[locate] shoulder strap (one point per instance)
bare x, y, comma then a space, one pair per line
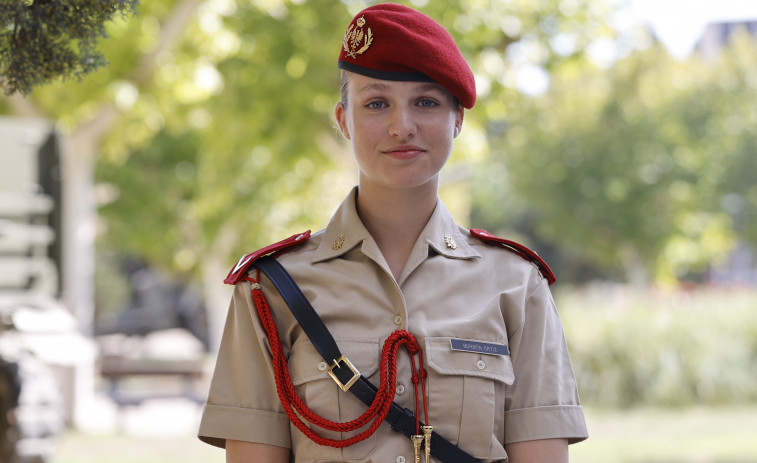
238, 272
401, 419
517, 248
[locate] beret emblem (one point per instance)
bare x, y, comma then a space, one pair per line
355, 36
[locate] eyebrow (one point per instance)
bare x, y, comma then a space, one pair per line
373, 86
423, 87
426, 86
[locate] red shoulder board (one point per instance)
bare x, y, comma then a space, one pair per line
240, 270
517, 248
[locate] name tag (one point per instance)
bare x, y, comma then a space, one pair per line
479, 347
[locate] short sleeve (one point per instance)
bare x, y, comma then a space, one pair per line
543, 401
242, 402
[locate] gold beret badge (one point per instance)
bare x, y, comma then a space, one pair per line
355, 36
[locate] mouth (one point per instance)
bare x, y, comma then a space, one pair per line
404, 152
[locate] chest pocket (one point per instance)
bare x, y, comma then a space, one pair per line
467, 397
321, 394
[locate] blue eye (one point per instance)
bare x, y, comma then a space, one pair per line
376, 104
427, 103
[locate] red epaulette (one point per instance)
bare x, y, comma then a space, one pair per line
517, 248
240, 270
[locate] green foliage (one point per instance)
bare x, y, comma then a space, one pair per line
152, 195
631, 348
633, 167
254, 85
243, 104
42, 40
640, 170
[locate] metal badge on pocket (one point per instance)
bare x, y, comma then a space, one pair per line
479, 347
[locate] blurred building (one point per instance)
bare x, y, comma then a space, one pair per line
741, 266
717, 35
46, 364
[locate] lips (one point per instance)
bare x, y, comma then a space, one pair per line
404, 152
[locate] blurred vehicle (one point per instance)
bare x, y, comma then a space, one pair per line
159, 337
156, 303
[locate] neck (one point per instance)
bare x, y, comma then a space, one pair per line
395, 219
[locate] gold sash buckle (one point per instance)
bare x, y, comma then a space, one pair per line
348, 364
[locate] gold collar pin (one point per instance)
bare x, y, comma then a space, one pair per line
338, 243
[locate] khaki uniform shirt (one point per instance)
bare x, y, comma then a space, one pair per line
453, 287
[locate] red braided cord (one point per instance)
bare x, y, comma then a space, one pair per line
420, 376
415, 391
378, 409
423, 374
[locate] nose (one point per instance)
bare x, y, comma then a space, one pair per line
401, 123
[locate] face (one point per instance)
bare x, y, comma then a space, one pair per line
401, 132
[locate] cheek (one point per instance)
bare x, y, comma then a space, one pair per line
446, 130
363, 130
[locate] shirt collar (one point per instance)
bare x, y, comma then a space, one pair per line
346, 230
445, 236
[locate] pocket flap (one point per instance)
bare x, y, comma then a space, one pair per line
306, 364
443, 360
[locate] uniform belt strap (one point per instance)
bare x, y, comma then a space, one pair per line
399, 418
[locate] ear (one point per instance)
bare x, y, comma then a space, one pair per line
459, 120
341, 118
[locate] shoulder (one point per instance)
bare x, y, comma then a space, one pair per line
239, 270
516, 248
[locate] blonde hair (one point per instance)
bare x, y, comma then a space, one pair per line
343, 87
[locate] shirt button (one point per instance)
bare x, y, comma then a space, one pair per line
400, 389
323, 366
400, 459
398, 322
480, 364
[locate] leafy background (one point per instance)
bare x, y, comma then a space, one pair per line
210, 133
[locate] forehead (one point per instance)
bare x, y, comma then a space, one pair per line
363, 84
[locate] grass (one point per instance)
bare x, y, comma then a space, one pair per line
697, 435
158, 431
119, 448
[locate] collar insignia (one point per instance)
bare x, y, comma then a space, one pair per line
338, 243
355, 36
450, 242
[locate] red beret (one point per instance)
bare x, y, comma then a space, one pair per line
394, 42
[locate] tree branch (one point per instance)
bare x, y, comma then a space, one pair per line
170, 32
23, 106
174, 25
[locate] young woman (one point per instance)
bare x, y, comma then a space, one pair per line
494, 378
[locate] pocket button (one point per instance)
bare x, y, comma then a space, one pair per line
480, 364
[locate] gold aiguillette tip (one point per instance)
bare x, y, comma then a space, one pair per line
417, 440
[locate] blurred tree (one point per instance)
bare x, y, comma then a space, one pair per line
87, 111
41, 40
213, 124
258, 100
234, 134
630, 167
